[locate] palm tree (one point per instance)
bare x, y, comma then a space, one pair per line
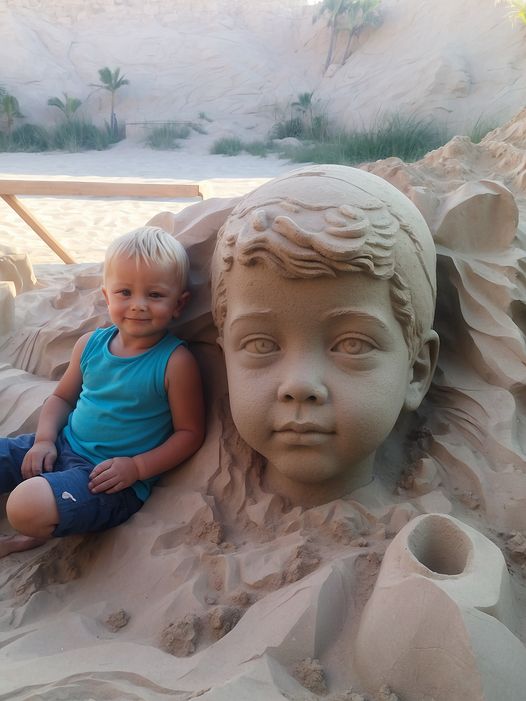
333, 8
68, 106
111, 81
304, 102
304, 105
350, 16
359, 15
10, 109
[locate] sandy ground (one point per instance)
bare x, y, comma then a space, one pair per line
84, 226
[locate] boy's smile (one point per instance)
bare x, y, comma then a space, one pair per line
318, 371
142, 300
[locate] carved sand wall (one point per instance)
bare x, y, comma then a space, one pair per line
458, 62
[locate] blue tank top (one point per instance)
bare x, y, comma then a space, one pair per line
123, 407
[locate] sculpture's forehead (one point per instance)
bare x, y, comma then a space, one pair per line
310, 191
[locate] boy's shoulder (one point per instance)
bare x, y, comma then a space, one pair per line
181, 359
91, 340
83, 340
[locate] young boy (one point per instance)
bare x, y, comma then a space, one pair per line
323, 294
128, 408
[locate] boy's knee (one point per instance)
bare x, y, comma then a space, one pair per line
31, 508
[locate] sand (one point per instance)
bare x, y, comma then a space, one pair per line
246, 61
84, 231
216, 589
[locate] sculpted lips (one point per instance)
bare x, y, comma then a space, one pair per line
303, 427
303, 433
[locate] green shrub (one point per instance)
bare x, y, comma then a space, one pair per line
227, 146
30, 137
257, 148
482, 127
79, 135
288, 127
205, 117
167, 136
68, 106
319, 129
407, 138
115, 133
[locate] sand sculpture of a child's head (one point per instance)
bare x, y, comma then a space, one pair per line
323, 293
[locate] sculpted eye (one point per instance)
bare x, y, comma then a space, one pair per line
260, 346
353, 345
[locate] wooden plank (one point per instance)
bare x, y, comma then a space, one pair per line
44, 234
108, 188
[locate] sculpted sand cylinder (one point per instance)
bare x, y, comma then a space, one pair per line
323, 285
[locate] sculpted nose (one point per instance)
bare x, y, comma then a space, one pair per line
301, 387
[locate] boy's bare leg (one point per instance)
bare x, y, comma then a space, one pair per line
31, 510
17, 543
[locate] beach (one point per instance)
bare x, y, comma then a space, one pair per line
219, 588
85, 226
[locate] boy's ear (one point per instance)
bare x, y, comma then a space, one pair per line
421, 372
105, 293
181, 304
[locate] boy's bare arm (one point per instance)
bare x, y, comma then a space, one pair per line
185, 395
54, 415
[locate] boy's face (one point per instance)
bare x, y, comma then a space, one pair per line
142, 300
318, 372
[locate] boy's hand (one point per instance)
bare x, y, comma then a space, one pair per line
113, 475
38, 459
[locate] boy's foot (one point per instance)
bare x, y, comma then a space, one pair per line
17, 543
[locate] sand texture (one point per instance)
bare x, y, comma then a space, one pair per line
216, 589
243, 63
219, 589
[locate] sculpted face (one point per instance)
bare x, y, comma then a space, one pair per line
323, 292
318, 372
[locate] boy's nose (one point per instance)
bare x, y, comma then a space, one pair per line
138, 303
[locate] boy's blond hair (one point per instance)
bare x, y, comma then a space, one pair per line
153, 246
323, 220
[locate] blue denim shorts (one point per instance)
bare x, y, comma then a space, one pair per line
80, 511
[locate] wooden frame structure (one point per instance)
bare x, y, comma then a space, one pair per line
11, 188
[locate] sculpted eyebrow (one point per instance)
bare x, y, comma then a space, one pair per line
359, 315
251, 316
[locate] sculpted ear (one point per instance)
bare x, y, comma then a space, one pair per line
421, 373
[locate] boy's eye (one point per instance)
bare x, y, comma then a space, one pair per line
260, 346
125, 293
353, 345
155, 295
